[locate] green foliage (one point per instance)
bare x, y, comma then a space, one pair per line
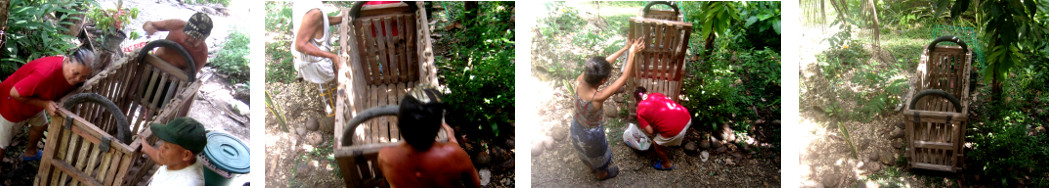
716, 17
1007, 154
32, 33
480, 73
278, 17
233, 60
740, 79
762, 25
734, 84
844, 52
279, 66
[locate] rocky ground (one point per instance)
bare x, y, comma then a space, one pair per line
730, 159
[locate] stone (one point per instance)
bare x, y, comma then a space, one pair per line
830, 179
898, 144
327, 124
896, 133
873, 157
482, 159
705, 144
559, 134
301, 131
887, 157
312, 124
315, 138
486, 176
726, 133
690, 147
873, 167
703, 156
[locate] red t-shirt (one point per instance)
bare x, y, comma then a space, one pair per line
666, 116
41, 79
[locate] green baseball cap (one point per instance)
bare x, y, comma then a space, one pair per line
183, 131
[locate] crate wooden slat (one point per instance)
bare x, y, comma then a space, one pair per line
661, 66
388, 52
935, 131
146, 92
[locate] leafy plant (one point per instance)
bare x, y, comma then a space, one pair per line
113, 21
480, 73
1005, 151
233, 60
32, 34
279, 66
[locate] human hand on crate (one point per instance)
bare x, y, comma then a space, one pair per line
638, 46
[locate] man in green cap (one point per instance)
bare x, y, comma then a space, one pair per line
181, 140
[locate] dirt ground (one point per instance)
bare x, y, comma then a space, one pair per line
212, 106
826, 159
554, 163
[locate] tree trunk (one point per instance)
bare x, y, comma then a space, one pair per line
710, 44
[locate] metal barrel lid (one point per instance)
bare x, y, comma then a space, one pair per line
227, 153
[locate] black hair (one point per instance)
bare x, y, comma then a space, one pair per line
419, 122
596, 70
637, 92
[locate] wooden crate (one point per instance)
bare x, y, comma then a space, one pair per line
137, 88
384, 63
935, 126
674, 14
661, 66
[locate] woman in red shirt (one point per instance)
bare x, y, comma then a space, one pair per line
656, 114
33, 89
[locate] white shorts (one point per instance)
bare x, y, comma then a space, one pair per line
8, 128
673, 141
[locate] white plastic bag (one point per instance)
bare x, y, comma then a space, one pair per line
635, 138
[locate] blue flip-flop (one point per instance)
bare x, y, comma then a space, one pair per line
39, 154
658, 164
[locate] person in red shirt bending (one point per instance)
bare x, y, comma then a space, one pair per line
656, 114
33, 89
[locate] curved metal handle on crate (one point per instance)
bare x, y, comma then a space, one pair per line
191, 66
366, 115
937, 92
355, 11
123, 132
649, 5
956, 40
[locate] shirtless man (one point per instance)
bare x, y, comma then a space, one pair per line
420, 161
190, 35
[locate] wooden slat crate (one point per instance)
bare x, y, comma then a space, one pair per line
388, 52
935, 126
147, 91
661, 66
662, 14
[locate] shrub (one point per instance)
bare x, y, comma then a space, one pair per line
233, 60
32, 34
1003, 150
481, 75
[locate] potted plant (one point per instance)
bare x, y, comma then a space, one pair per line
112, 22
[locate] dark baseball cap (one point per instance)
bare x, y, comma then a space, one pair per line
183, 131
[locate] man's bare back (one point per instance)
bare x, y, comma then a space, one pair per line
443, 165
